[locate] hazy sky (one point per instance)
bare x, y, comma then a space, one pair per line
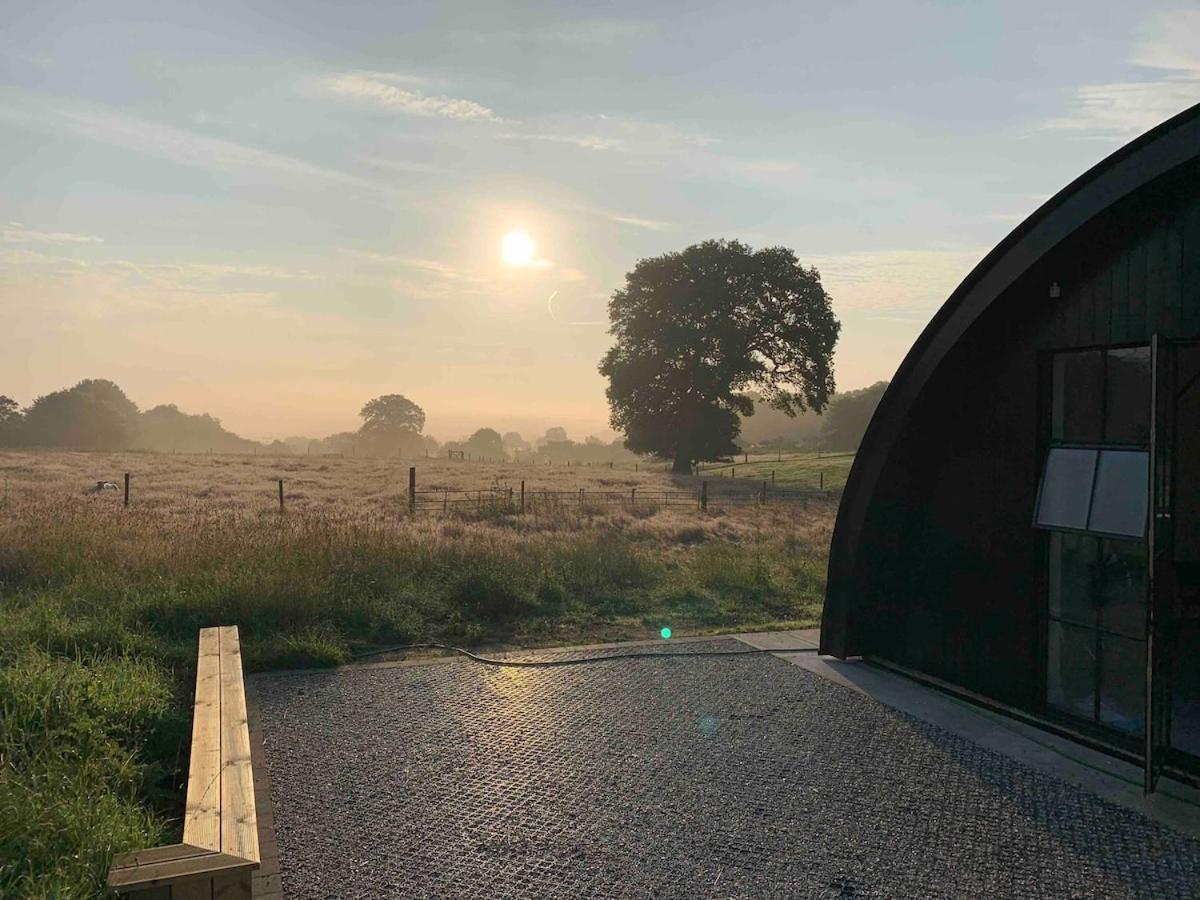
275, 211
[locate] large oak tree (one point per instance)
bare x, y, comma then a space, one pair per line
392, 422
696, 330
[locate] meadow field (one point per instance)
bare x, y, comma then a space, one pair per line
100, 603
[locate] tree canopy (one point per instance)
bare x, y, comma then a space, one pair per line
696, 330
390, 423
10, 421
392, 413
10, 410
485, 442
93, 415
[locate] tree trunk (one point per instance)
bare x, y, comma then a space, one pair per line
682, 465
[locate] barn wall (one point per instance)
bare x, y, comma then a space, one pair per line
950, 584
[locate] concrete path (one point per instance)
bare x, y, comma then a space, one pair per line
1174, 804
738, 776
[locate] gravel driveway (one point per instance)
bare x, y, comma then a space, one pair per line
706, 777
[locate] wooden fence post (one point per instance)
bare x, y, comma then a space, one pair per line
281, 495
821, 475
733, 471
772, 478
704, 495
412, 490
522, 495
764, 492
581, 497
126, 488
746, 458
632, 496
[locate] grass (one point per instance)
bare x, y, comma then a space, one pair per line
101, 604
805, 469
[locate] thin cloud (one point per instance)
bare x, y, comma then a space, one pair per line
362, 87
1172, 44
1128, 108
186, 148
615, 134
584, 141
432, 266
622, 218
16, 233
639, 222
441, 269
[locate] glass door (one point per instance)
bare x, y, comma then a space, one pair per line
1175, 694
1094, 500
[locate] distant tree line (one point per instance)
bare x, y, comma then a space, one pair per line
96, 414
840, 427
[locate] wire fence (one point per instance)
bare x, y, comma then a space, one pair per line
500, 500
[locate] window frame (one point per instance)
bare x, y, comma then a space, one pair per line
1093, 725
1099, 448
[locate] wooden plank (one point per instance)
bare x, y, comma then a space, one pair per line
191, 890
202, 816
190, 869
156, 855
233, 887
266, 885
239, 824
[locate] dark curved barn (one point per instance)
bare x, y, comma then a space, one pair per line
1022, 522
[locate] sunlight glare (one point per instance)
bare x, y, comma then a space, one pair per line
517, 248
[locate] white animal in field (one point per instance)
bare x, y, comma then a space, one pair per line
102, 486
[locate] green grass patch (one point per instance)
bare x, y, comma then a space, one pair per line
99, 613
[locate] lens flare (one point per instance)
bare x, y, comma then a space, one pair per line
666, 634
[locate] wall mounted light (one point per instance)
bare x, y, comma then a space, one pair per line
1055, 291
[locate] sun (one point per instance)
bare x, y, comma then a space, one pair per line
517, 248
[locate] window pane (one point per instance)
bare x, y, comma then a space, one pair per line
1127, 405
1122, 683
1074, 570
1078, 394
1123, 587
1071, 669
1122, 494
1066, 488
